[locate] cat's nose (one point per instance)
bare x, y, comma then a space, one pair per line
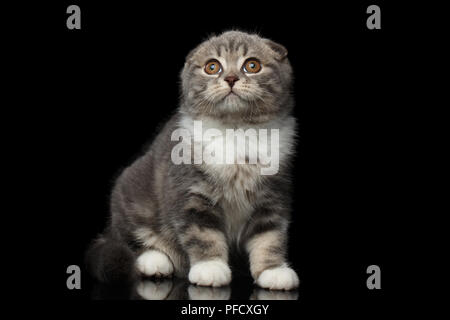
231, 80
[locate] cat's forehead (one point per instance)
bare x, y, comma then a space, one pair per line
233, 44
230, 43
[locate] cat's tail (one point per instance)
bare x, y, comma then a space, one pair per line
111, 261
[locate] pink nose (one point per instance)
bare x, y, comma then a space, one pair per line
231, 80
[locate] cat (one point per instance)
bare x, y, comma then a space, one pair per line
185, 219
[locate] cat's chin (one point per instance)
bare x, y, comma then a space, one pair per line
232, 103
233, 97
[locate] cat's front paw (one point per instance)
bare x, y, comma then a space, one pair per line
154, 263
280, 278
213, 273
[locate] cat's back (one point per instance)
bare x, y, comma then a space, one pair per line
149, 169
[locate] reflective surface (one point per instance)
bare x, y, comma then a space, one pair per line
181, 289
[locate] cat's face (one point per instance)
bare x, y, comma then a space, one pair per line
237, 76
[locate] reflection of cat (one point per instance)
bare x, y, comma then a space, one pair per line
164, 289
184, 219
176, 289
180, 289
263, 294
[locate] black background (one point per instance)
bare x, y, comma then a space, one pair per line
104, 89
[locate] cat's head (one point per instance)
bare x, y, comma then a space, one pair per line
237, 76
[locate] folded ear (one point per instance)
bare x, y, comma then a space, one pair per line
280, 51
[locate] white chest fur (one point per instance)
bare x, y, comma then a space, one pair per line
239, 166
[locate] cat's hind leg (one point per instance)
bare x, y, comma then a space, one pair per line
154, 263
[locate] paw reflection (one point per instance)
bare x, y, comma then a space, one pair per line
181, 289
264, 294
209, 293
154, 290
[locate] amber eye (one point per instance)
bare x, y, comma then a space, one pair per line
252, 65
213, 67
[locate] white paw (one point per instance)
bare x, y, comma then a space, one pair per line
281, 278
154, 263
150, 290
213, 273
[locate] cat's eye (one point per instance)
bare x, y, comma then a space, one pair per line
252, 65
213, 67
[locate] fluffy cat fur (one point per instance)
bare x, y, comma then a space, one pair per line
184, 220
